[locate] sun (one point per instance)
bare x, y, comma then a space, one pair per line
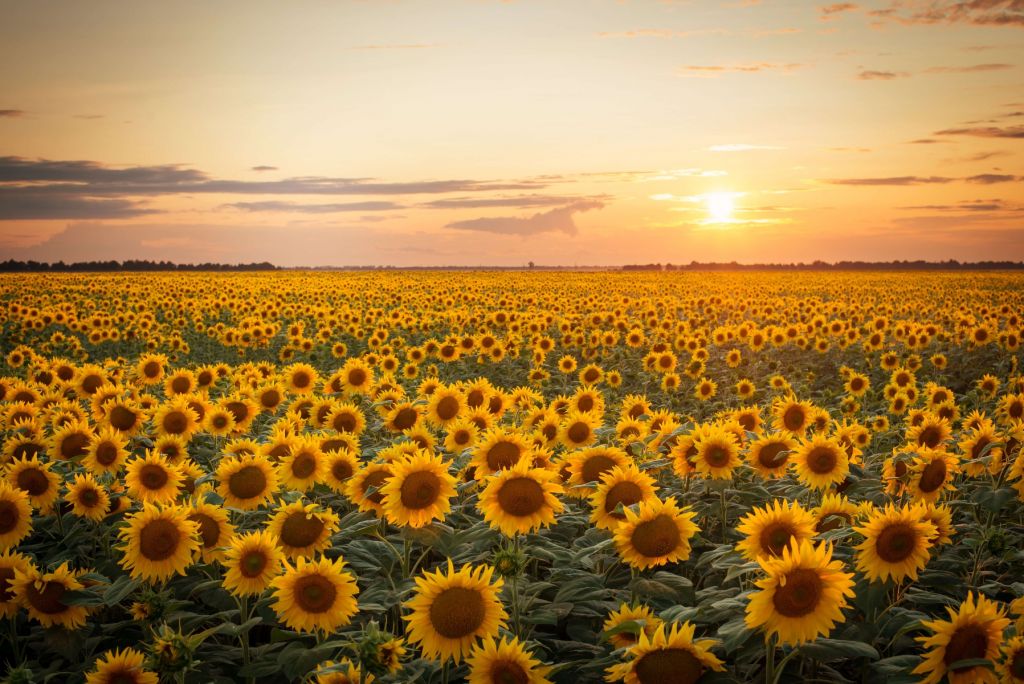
720, 206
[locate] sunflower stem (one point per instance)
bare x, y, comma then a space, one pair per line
243, 617
725, 516
769, 660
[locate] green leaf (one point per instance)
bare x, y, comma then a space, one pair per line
837, 649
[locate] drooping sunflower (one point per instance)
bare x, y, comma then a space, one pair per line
303, 529
498, 662
87, 497
771, 529
315, 595
931, 474
419, 490
15, 515
625, 486
10, 562
718, 453
896, 543
974, 631
152, 479
671, 654
769, 455
821, 462
36, 479
251, 562
835, 510
364, 487
215, 529
41, 593
450, 611
246, 481
942, 517
121, 667
520, 499
158, 542
802, 595
658, 533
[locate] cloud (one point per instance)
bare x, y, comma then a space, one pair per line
21, 208
871, 75
973, 68
986, 132
12, 113
981, 179
829, 12
967, 205
556, 220
742, 147
519, 201
977, 12
263, 167
716, 70
982, 156
927, 141
314, 208
88, 117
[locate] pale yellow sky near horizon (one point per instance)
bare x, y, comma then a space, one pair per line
466, 132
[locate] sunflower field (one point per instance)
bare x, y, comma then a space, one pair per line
512, 477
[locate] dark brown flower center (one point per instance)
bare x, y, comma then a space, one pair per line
376, 479
503, 455
775, 537
772, 455
800, 594
153, 476
248, 482
209, 530
106, 453
405, 418
930, 437
304, 465
656, 537
457, 612
175, 422
33, 480
344, 422
521, 496
578, 432
933, 476
301, 530
447, 407
74, 445
315, 593
420, 490
356, 377
822, 460
968, 642
159, 539
47, 600
10, 516
341, 469
669, 666
252, 563
793, 419
595, 466
896, 542
625, 493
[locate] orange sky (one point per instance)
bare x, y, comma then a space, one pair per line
479, 132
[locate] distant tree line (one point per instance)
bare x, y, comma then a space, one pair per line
919, 265
12, 266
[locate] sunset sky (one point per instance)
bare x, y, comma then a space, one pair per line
479, 132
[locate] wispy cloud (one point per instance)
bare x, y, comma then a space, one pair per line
15, 207
968, 69
11, 113
830, 12
742, 147
977, 12
518, 201
263, 167
982, 179
716, 70
557, 220
296, 207
986, 132
871, 75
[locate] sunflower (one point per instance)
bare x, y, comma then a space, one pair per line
246, 482
344, 672
658, 533
505, 661
87, 497
623, 486
419, 490
35, 478
792, 416
300, 378
356, 377
251, 562
671, 654
15, 515
304, 466
821, 462
648, 623
446, 403
152, 479
896, 543
1011, 668
520, 499
769, 455
982, 448
215, 531
70, 441
176, 417
803, 594
121, 667
340, 465
107, 451
364, 487
461, 435
931, 474
303, 529
150, 368
974, 631
346, 418
11, 562
771, 529
41, 593
451, 610
315, 595
243, 408
181, 381
578, 429
269, 396
942, 517
499, 449
931, 432
158, 542
219, 422
718, 453
835, 510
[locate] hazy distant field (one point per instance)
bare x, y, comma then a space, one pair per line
513, 477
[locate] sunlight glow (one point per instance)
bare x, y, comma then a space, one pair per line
720, 206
